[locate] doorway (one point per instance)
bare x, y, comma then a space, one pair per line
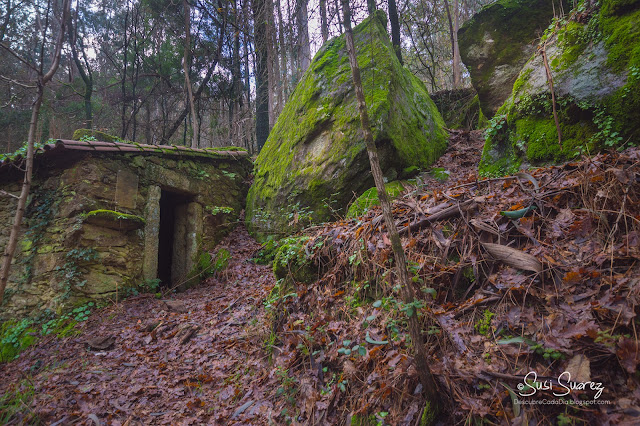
173, 237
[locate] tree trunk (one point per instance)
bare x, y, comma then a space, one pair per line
395, 29
43, 79
283, 58
324, 25
304, 48
123, 118
371, 6
262, 77
87, 77
186, 65
426, 378
272, 61
453, 36
457, 71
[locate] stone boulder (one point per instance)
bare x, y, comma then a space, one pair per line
497, 42
315, 159
594, 59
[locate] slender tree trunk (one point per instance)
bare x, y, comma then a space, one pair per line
283, 78
43, 79
5, 22
87, 77
262, 76
371, 6
395, 29
123, 132
428, 383
457, 71
324, 25
455, 52
304, 50
272, 61
186, 65
183, 114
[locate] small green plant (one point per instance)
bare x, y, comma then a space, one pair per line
15, 336
15, 404
483, 326
440, 174
380, 416
230, 175
88, 138
355, 350
288, 385
150, 285
606, 132
201, 174
216, 210
495, 125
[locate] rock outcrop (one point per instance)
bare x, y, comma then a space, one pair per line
594, 59
315, 160
497, 42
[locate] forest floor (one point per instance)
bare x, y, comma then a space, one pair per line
537, 273
197, 358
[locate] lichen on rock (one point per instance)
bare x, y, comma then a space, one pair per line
315, 158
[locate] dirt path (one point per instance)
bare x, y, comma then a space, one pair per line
196, 360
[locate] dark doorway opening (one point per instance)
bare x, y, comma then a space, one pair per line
171, 208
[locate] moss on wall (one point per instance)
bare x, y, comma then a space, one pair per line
78, 245
83, 134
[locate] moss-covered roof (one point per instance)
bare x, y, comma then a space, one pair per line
101, 147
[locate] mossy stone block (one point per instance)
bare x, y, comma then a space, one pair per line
315, 158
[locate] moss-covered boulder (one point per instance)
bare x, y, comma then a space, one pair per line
595, 66
497, 42
315, 158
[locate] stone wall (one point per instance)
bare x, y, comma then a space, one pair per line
92, 224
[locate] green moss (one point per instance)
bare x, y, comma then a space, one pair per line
511, 25
292, 260
617, 7
114, 216
84, 134
429, 414
316, 151
369, 198
15, 337
587, 125
227, 148
520, 82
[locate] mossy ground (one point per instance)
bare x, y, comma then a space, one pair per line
292, 260
315, 157
370, 198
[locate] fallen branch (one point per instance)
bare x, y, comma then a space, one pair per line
450, 211
8, 194
513, 257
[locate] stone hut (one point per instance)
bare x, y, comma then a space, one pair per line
105, 217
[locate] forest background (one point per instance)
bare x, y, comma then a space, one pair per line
201, 73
